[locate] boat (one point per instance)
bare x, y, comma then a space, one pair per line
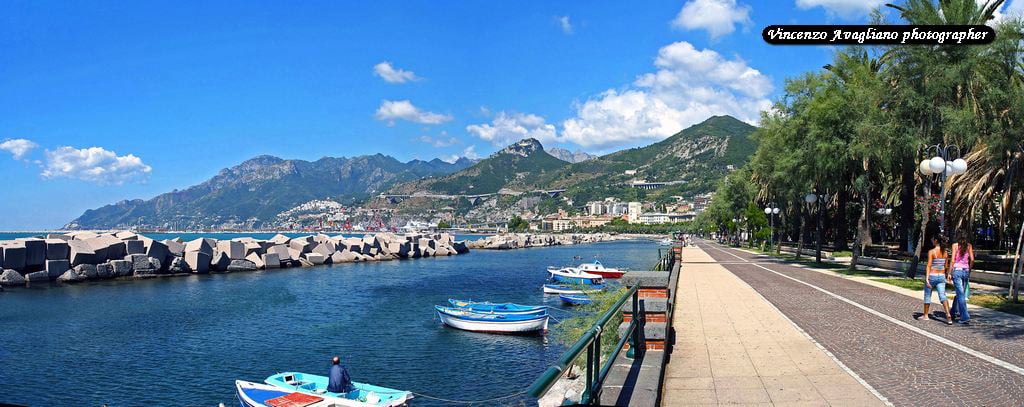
570, 289
575, 299
665, 242
597, 268
498, 308
251, 394
363, 395
572, 275
572, 272
494, 323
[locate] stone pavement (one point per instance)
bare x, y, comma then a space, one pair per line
733, 347
871, 330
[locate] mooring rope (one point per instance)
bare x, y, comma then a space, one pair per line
469, 401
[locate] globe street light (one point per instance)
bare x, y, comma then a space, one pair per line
771, 211
943, 165
812, 198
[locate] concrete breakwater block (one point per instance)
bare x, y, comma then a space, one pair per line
241, 265
271, 261
175, 248
86, 270
35, 251
315, 258
234, 250
57, 249
157, 250
199, 245
121, 268
14, 255
220, 262
134, 247
177, 265
198, 262
280, 239
80, 252
104, 270
37, 277
256, 259
55, 268
71, 276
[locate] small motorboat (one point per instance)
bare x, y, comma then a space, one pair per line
575, 299
570, 289
264, 395
362, 395
665, 242
557, 273
494, 323
597, 268
499, 308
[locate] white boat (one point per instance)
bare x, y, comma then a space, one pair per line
597, 268
573, 275
494, 323
665, 242
570, 289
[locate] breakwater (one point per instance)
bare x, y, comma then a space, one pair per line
80, 256
508, 241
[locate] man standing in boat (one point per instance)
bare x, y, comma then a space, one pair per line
338, 380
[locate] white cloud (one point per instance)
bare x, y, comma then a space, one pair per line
718, 17
390, 74
93, 164
847, 9
392, 110
689, 86
507, 128
1014, 7
566, 25
18, 147
443, 140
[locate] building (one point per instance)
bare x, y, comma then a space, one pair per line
618, 209
557, 224
656, 218
597, 208
701, 202
633, 211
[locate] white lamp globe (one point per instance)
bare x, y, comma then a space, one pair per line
925, 167
767, 211
775, 211
959, 166
949, 168
937, 165
888, 211
810, 198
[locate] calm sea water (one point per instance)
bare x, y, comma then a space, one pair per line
183, 341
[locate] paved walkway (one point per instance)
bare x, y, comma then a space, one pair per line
733, 347
871, 330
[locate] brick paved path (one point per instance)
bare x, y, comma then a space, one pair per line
733, 347
909, 362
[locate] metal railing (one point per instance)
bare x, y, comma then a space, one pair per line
591, 343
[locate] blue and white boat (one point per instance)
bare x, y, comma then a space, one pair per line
571, 289
362, 395
575, 299
494, 323
499, 308
558, 278
264, 395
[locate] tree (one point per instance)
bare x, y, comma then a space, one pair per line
443, 224
518, 224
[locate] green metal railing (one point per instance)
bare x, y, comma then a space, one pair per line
591, 343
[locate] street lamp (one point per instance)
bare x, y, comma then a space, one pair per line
884, 211
943, 165
812, 198
771, 211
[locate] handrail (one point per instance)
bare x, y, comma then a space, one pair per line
595, 372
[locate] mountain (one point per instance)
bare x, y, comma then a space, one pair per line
258, 189
569, 156
514, 167
693, 159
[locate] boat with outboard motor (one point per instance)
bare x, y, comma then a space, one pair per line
362, 394
493, 323
506, 308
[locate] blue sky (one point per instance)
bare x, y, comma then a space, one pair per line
104, 101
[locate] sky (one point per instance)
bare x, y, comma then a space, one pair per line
103, 101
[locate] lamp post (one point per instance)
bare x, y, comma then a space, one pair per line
884, 211
771, 211
943, 164
812, 198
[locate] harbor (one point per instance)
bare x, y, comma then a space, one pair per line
121, 340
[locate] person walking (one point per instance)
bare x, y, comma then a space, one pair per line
936, 276
963, 263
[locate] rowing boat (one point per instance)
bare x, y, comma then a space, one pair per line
362, 394
494, 323
498, 308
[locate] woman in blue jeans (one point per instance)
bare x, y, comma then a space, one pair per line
963, 262
936, 276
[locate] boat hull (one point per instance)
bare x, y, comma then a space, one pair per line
563, 289
316, 385
575, 299
514, 326
498, 308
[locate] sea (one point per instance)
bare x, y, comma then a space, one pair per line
183, 341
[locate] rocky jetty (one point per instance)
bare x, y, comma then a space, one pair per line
508, 241
82, 256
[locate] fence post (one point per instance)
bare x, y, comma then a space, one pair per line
641, 322
597, 364
590, 374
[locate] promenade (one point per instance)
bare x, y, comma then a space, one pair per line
754, 330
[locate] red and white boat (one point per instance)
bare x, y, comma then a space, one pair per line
597, 268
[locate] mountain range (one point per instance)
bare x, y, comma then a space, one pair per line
569, 156
254, 192
260, 188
